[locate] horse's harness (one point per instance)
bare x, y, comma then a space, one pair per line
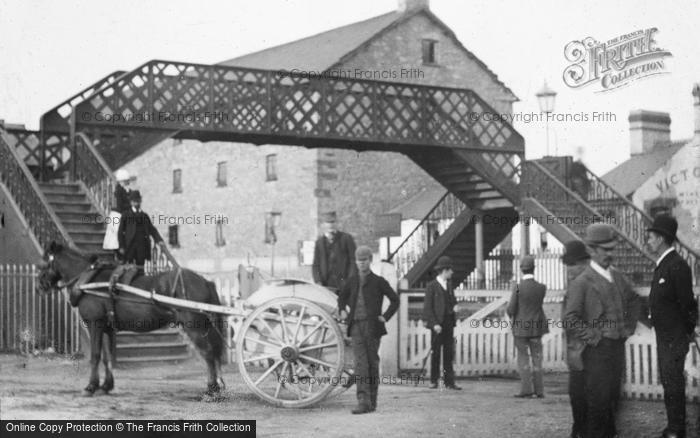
113, 294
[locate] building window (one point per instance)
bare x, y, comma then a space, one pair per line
429, 51
177, 181
221, 174
220, 241
272, 222
271, 167
173, 238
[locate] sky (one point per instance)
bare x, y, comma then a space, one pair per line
51, 49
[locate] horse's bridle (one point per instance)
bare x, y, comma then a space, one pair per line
52, 266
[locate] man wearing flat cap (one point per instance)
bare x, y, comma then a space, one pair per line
439, 315
529, 324
674, 314
135, 228
602, 310
364, 294
576, 259
334, 254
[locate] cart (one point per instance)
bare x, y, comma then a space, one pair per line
290, 347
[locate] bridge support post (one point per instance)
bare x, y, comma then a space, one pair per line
479, 258
524, 232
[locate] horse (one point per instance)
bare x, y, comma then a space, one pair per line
65, 264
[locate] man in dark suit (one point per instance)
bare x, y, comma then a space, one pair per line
674, 314
334, 255
364, 293
135, 228
439, 316
529, 324
576, 259
602, 310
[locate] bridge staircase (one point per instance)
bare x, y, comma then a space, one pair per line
565, 205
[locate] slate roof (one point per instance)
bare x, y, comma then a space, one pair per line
627, 177
329, 49
420, 204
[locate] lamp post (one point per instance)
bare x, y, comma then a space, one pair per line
545, 98
273, 222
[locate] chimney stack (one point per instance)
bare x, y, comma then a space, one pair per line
696, 110
647, 129
409, 5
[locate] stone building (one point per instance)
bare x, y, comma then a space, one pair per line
663, 175
242, 187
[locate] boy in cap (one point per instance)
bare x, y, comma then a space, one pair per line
439, 315
333, 254
674, 313
364, 294
575, 258
602, 310
135, 228
529, 325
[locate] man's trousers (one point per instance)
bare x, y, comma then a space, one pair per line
445, 342
365, 347
603, 366
671, 357
530, 348
577, 397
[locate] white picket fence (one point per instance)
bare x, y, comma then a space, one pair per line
32, 322
485, 347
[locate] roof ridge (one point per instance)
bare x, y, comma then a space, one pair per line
316, 35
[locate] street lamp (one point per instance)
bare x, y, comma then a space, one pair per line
545, 97
272, 222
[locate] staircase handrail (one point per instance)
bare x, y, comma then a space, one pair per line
94, 172
691, 256
37, 211
420, 224
583, 203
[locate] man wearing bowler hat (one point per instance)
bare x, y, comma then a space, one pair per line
674, 314
439, 315
602, 310
576, 259
334, 254
529, 324
135, 228
364, 293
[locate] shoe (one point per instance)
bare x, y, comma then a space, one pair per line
540, 396
524, 395
361, 409
454, 387
433, 386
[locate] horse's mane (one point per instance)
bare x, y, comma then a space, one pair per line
71, 251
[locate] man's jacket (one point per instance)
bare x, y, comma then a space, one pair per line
374, 289
674, 311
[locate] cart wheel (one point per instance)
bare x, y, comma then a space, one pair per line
290, 352
347, 377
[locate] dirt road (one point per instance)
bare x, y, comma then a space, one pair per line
49, 388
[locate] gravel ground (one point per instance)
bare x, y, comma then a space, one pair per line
49, 388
